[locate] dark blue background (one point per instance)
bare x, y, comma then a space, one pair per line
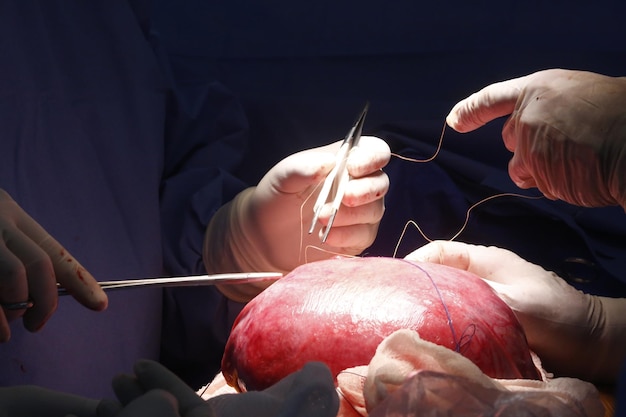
304, 69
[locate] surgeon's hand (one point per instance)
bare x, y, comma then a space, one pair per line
265, 228
574, 334
567, 130
29, 401
154, 391
31, 264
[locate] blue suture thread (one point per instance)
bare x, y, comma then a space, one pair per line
466, 337
457, 347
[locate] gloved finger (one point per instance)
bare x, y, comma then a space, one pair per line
5, 329
251, 403
108, 408
489, 103
370, 213
27, 401
309, 392
299, 171
353, 239
521, 167
370, 155
364, 190
13, 283
362, 203
152, 375
34, 271
127, 388
488, 262
72, 276
527, 172
454, 254
483, 261
155, 403
69, 273
520, 174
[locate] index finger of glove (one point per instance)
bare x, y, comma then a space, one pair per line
370, 155
69, 273
480, 260
495, 100
454, 254
152, 375
488, 262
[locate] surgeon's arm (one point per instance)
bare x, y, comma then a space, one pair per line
567, 130
31, 264
573, 333
265, 228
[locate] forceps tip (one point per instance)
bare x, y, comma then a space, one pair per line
336, 180
329, 226
24, 305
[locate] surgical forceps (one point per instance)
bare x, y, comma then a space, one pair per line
335, 184
186, 281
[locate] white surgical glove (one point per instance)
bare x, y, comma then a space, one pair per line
573, 333
29, 401
31, 264
155, 391
265, 228
567, 130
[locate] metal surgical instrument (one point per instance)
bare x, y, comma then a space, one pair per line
185, 281
335, 184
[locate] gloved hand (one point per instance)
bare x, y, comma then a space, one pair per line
265, 228
567, 130
31, 264
574, 334
29, 401
155, 391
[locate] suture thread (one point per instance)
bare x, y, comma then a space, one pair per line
410, 222
340, 393
439, 144
457, 344
467, 216
462, 342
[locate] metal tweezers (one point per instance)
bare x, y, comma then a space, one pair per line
186, 281
335, 184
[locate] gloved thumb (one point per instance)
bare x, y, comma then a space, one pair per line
493, 101
443, 252
299, 171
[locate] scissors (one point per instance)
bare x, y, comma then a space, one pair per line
184, 281
335, 184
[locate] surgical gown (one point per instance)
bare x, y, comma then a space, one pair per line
98, 145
